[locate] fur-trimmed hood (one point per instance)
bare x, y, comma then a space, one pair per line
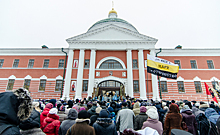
105, 122
16, 106
82, 120
204, 106
25, 108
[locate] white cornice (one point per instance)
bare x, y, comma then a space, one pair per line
111, 26
32, 51
190, 52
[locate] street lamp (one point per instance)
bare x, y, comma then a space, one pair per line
61, 93
158, 78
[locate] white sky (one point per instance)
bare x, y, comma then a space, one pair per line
33, 23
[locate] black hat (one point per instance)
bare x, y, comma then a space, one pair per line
103, 113
83, 114
193, 101
124, 104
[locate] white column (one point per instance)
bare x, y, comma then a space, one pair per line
80, 75
129, 74
141, 75
66, 91
91, 72
154, 82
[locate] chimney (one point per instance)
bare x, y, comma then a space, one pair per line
44, 47
178, 47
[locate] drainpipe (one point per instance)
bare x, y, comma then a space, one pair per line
64, 70
158, 78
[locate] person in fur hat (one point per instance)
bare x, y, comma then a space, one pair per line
81, 127
11, 113
51, 124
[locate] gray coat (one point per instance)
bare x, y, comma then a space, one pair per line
66, 124
125, 119
139, 120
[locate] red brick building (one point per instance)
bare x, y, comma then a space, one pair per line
111, 54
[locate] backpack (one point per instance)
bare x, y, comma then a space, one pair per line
205, 127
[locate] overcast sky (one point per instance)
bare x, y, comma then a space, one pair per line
33, 23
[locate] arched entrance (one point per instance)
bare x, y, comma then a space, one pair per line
110, 87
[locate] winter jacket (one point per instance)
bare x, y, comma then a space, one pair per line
204, 125
33, 131
62, 116
43, 115
139, 120
31, 126
136, 108
93, 119
66, 124
196, 111
92, 111
125, 119
154, 124
173, 119
14, 110
51, 124
104, 126
161, 112
212, 115
81, 127
190, 121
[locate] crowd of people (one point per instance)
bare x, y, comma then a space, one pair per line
19, 115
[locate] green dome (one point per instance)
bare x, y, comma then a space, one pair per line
112, 20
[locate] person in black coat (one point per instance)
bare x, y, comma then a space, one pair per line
94, 117
104, 125
66, 124
92, 111
31, 126
140, 119
15, 106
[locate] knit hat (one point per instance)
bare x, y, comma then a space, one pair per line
110, 109
83, 114
152, 113
82, 108
103, 113
49, 105
143, 109
53, 111
98, 109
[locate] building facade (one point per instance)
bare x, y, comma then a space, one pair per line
110, 55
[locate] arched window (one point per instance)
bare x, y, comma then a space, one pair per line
111, 64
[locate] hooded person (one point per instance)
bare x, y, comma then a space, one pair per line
203, 106
104, 125
153, 122
173, 119
189, 118
136, 108
212, 115
16, 106
66, 124
51, 123
81, 127
196, 111
46, 110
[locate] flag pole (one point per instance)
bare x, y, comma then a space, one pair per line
207, 99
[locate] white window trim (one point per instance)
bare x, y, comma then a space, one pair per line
113, 58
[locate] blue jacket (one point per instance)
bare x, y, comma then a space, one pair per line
212, 115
